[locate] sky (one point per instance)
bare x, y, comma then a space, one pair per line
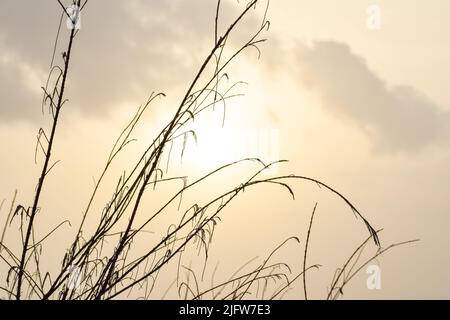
366, 110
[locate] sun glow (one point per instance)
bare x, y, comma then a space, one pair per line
215, 145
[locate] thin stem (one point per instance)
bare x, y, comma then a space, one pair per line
306, 251
44, 171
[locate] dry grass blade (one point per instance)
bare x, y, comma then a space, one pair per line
104, 253
306, 251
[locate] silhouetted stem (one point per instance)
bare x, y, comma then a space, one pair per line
44, 171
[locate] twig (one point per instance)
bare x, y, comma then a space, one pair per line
306, 251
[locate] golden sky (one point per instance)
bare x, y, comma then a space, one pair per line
367, 111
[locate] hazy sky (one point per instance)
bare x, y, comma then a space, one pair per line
367, 111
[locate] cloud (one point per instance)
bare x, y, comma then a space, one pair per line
19, 89
124, 51
395, 117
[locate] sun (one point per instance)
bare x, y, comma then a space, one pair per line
216, 144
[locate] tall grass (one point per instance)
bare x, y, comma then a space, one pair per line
105, 262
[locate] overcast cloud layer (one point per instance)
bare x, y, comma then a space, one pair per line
122, 54
396, 117
357, 77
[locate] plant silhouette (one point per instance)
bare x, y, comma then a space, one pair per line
104, 263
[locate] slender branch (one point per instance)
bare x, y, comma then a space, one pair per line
44, 171
306, 251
